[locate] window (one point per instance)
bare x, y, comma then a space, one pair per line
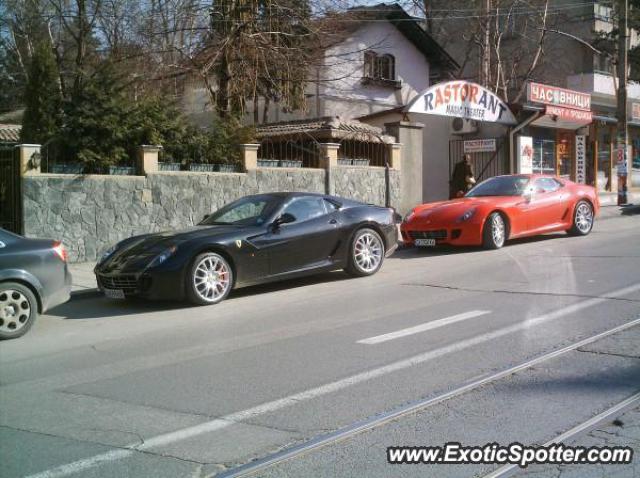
500, 186
306, 208
380, 69
386, 67
331, 207
370, 64
248, 211
548, 185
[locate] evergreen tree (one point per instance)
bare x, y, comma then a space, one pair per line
42, 98
98, 121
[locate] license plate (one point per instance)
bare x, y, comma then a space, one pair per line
425, 242
114, 293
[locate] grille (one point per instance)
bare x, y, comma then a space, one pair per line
437, 234
128, 283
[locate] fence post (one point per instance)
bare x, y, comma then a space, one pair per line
395, 155
249, 156
328, 160
328, 155
148, 159
29, 158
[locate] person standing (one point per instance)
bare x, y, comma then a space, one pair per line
463, 177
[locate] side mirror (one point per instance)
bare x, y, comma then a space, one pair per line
206, 216
286, 218
528, 195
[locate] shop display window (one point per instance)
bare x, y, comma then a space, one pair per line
544, 156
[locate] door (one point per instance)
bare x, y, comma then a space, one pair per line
305, 243
564, 154
10, 201
548, 204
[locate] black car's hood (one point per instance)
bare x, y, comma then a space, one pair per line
136, 253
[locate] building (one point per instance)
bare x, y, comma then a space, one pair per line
382, 59
569, 62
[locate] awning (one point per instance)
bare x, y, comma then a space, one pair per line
560, 118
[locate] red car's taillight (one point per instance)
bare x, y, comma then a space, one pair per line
59, 249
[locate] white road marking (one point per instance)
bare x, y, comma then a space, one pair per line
228, 420
423, 327
369, 424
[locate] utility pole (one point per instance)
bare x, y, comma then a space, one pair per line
623, 131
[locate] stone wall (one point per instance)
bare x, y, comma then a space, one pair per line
90, 213
365, 184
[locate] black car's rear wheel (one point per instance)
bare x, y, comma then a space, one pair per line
494, 233
18, 310
582, 219
210, 279
366, 253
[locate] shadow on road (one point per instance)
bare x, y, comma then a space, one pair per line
444, 250
613, 378
101, 307
630, 210
290, 284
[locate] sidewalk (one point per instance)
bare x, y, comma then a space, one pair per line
84, 282
611, 199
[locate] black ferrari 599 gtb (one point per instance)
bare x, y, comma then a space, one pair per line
256, 239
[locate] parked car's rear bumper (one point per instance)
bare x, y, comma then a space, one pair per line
59, 292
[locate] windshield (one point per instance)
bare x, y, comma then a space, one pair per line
248, 211
500, 186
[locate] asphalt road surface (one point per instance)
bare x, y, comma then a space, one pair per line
316, 378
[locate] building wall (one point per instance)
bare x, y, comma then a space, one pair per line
342, 89
91, 213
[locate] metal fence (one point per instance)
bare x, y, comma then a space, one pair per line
294, 152
10, 193
363, 153
485, 164
55, 160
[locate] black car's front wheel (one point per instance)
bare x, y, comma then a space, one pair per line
18, 310
210, 279
366, 253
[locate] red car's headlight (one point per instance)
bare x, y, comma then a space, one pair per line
467, 215
409, 216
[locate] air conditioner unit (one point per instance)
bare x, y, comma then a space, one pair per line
463, 126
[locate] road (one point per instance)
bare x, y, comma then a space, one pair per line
316, 378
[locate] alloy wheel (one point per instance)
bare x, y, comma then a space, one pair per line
212, 278
584, 217
15, 310
367, 252
498, 230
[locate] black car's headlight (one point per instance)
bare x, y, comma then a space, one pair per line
467, 215
108, 253
163, 256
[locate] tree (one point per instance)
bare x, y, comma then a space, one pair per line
500, 43
42, 97
98, 120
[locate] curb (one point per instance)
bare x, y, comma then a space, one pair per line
84, 294
622, 211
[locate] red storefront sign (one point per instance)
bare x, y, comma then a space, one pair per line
569, 114
552, 95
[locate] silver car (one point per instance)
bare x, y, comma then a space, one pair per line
34, 277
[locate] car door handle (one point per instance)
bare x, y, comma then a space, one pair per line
333, 221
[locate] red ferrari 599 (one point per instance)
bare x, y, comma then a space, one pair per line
502, 208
